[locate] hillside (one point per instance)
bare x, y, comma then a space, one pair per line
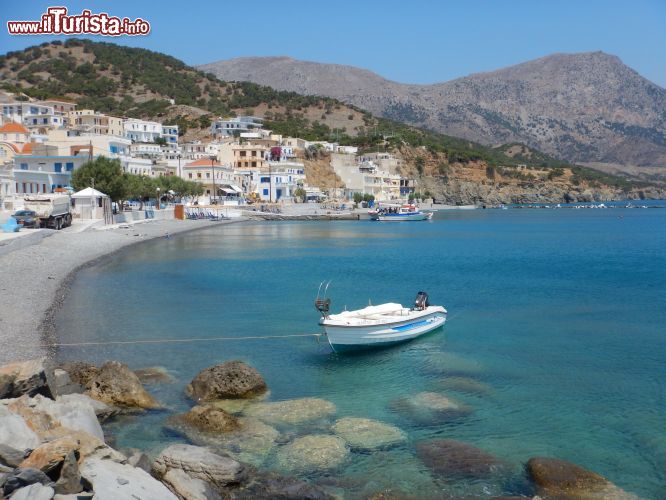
140, 83
588, 107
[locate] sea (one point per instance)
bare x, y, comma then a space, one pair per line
555, 342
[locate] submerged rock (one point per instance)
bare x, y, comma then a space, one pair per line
452, 459
154, 375
556, 478
112, 481
208, 419
430, 408
452, 364
292, 411
117, 385
465, 384
200, 463
233, 379
250, 443
313, 453
366, 434
275, 486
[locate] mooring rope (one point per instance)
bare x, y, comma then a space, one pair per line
173, 341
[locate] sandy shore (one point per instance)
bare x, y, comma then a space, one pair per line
34, 279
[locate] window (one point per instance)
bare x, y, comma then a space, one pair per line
265, 179
24, 166
254, 163
243, 153
207, 175
254, 153
58, 167
198, 175
43, 188
189, 175
265, 192
69, 166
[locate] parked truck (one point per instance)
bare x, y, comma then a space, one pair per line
53, 210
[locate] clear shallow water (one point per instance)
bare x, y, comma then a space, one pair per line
561, 313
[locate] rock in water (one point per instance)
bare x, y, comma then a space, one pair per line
292, 411
313, 453
452, 459
233, 379
80, 373
561, 479
154, 375
188, 487
430, 408
116, 384
465, 384
27, 377
366, 434
113, 481
209, 419
199, 463
275, 486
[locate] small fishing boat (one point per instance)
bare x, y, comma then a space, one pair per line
380, 325
399, 213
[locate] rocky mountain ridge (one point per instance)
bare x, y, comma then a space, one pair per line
585, 108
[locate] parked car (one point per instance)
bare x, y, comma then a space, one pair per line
26, 218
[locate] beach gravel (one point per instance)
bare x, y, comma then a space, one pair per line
34, 279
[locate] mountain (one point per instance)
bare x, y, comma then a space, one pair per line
136, 82
585, 108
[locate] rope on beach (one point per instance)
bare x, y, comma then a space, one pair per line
174, 341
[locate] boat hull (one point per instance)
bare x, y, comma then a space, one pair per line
352, 338
402, 217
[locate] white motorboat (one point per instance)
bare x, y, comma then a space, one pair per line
399, 213
380, 325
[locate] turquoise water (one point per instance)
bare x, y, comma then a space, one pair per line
559, 314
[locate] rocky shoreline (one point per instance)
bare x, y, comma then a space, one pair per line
52, 444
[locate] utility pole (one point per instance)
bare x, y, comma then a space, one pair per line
212, 167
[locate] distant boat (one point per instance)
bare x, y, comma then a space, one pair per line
399, 213
379, 326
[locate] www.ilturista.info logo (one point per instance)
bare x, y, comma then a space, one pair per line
55, 21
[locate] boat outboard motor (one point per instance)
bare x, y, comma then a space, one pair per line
323, 306
421, 301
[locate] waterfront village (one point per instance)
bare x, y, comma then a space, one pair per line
43, 142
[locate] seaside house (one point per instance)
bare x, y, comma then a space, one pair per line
246, 156
170, 135
218, 180
280, 181
44, 171
89, 204
72, 141
34, 115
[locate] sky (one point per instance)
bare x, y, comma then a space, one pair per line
411, 41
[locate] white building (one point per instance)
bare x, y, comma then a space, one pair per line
146, 150
44, 173
236, 126
280, 182
32, 114
170, 135
365, 178
73, 142
142, 130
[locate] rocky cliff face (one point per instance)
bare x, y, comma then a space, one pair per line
586, 107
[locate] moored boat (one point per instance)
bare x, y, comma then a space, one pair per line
380, 325
399, 213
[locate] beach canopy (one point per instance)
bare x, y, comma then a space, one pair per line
89, 192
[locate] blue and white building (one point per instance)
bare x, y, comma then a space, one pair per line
40, 174
232, 127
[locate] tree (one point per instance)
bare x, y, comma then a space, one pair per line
106, 174
161, 141
140, 187
420, 164
299, 192
358, 198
